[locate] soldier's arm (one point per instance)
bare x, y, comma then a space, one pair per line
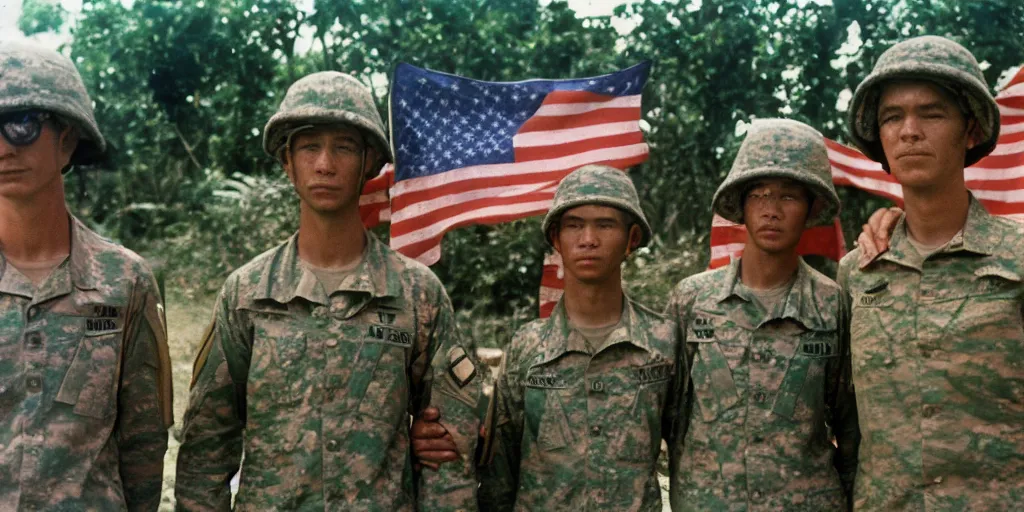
211, 445
679, 409
450, 381
842, 402
144, 399
499, 471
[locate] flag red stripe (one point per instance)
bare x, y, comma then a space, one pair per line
548, 179
530, 154
561, 97
594, 117
1012, 101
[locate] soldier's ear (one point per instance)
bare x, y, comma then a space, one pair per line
636, 235
974, 134
67, 143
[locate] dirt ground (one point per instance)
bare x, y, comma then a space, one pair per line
186, 320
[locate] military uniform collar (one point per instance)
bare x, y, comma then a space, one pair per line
284, 276
561, 337
800, 304
80, 272
970, 239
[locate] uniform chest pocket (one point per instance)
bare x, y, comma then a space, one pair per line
802, 390
638, 400
713, 386
90, 383
545, 412
278, 372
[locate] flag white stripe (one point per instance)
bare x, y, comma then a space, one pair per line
1008, 111
380, 196
518, 168
1009, 149
553, 137
1007, 129
424, 207
976, 173
725, 250
550, 294
861, 163
1011, 91
569, 109
868, 184
442, 225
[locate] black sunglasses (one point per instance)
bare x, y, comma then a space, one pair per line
22, 128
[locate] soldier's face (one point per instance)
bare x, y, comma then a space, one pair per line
327, 165
27, 170
593, 240
924, 134
775, 212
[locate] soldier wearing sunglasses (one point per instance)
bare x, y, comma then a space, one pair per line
85, 390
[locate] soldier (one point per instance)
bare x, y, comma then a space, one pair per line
936, 326
580, 400
762, 336
321, 347
85, 385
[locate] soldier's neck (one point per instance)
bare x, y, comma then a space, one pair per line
935, 216
36, 229
593, 304
761, 270
330, 241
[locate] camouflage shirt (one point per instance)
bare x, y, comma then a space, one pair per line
85, 386
765, 388
323, 386
578, 431
938, 361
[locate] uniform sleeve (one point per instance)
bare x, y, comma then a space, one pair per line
451, 382
842, 403
144, 400
499, 476
680, 409
211, 447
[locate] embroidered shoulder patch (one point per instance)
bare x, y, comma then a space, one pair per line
460, 366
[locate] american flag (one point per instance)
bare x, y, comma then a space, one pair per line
473, 152
996, 180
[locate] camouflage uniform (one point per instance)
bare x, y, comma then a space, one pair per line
578, 430
767, 387
85, 388
938, 347
316, 387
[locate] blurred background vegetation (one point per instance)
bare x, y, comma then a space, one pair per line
184, 88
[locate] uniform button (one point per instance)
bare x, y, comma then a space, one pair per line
597, 386
929, 411
34, 383
595, 431
760, 396
319, 312
757, 357
33, 312
34, 339
756, 495
332, 445
332, 342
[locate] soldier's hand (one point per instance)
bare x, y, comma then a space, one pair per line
874, 237
432, 445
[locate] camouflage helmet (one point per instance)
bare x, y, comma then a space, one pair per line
326, 97
33, 78
779, 148
934, 59
600, 185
